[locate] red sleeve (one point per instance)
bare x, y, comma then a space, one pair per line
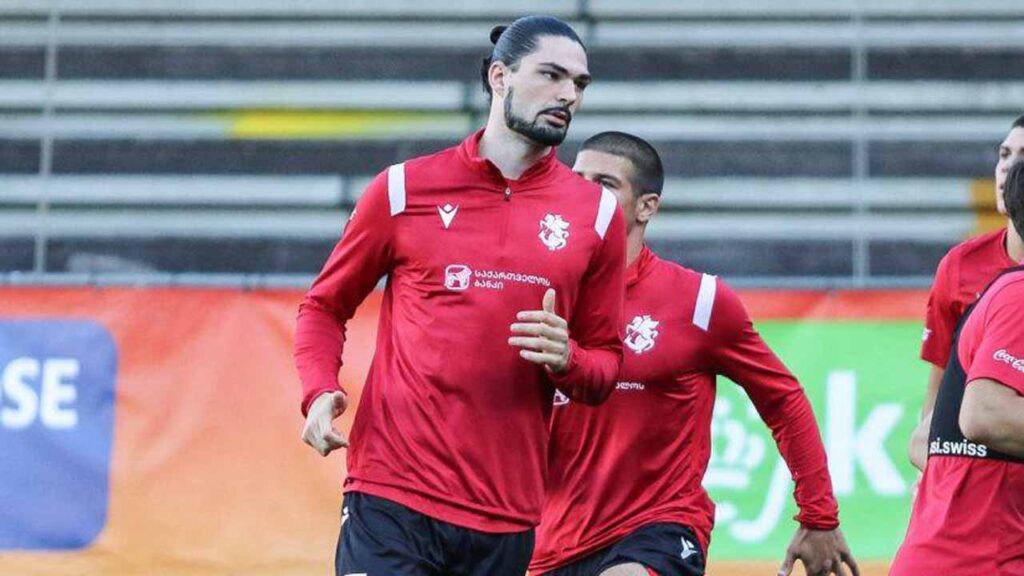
741, 354
596, 323
1000, 353
359, 260
941, 317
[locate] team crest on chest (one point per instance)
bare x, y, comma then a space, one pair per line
641, 333
554, 232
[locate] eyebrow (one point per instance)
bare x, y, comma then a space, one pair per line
585, 78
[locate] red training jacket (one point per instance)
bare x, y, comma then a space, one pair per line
640, 458
452, 422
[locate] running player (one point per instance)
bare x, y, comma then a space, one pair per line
482, 243
625, 495
968, 517
962, 274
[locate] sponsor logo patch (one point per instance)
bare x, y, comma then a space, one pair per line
1005, 357
460, 277
457, 277
964, 447
447, 213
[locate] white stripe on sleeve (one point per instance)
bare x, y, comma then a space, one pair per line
396, 188
605, 212
705, 302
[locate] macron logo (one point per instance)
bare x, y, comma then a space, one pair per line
1005, 357
447, 213
688, 549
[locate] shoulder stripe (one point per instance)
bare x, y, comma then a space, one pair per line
705, 302
396, 188
605, 212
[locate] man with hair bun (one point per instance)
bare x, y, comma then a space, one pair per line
968, 516
505, 280
624, 493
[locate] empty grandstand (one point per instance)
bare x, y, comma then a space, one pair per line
808, 143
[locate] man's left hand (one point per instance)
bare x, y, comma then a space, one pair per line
542, 335
823, 552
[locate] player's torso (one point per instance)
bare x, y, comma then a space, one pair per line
666, 367
451, 408
642, 453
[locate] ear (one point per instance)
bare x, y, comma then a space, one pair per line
497, 76
646, 207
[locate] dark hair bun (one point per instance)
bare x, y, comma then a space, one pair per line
496, 33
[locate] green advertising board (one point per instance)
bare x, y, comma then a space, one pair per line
866, 383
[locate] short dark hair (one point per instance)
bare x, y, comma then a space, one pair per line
1013, 195
648, 173
513, 42
1018, 123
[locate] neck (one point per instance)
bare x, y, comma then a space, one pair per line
634, 243
1014, 243
511, 152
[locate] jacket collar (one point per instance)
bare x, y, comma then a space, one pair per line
641, 266
538, 173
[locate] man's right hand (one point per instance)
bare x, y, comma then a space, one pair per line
319, 431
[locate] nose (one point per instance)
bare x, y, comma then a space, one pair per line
567, 93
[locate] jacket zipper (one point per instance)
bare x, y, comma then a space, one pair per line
507, 209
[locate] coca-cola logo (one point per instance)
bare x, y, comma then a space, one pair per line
1002, 355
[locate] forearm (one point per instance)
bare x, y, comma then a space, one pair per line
589, 377
919, 442
796, 434
1007, 434
918, 449
319, 340
993, 415
934, 382
595, 345
358, 261
782, 404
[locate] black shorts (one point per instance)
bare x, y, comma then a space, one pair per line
665, 549
382, 538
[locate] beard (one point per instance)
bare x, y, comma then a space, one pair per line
540, 133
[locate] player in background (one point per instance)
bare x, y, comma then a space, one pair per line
505, 280
968, 517
961, 276
625, 495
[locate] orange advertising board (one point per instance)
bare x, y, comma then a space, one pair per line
206, 472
